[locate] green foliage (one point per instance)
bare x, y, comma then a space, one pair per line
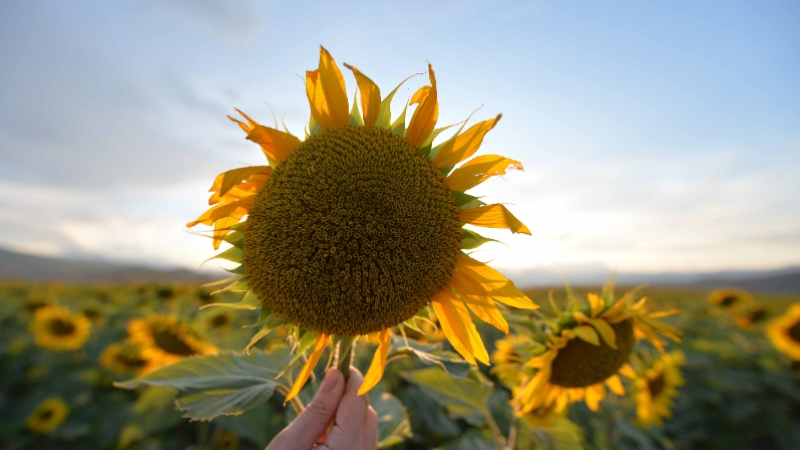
739, 392
226, 384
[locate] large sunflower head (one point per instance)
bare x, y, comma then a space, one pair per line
784, 332
164, 340
58, 329
657, 387
585, 347
357, 228
48, 415
730, 297
125, 360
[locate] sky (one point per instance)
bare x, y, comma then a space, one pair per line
655, 136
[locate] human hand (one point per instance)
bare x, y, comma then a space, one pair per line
355, 422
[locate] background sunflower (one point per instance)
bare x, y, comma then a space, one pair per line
656, 388
57, 328
48, 415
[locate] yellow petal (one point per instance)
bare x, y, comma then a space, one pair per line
615, 384
477, 170
316, 100
222, 228
594, 394
596, 303
275, 144
458, 327
375, 372
605, 331
464, 145
627, 371
427, 113
333, 87
476, 278
657, 315
305, 372
217, 212
227, 180
493, 216
370, 97
486, 310
587, 333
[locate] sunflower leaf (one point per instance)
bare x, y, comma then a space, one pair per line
214, 385
394, 426
461, 396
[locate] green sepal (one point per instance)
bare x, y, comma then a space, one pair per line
313, 127
303, 344
399, 125
262, 316
235, 238
238, 270
233, 254
471, 239
239, 226
463, 199
269, 323
431, 355
240, 285
355, 115
385, 113
429, 141
249, 301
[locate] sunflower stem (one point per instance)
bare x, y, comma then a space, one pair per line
344, 357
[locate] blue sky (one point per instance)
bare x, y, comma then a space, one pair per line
656, 136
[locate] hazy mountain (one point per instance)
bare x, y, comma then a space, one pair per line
28, 267
19, 266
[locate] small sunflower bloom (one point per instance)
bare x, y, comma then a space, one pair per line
358, 227
58, 329
784, 332
730, 297
227, 440
585, 349
164, 340
657, 388
750, 317
125, 360
48, 416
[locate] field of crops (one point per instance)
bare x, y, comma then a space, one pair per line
63, 347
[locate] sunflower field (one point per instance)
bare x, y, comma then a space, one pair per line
353, 245
729, 383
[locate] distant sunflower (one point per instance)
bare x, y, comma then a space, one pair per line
750, 317
125, 360
59, 329
784, 332
358, 227
730, 297
48, 415
221, 320
227, 440
657, 388
585, 348
164, 340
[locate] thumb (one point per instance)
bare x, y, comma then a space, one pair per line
314, 420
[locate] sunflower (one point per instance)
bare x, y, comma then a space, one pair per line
358, 227
584, 348
784, 332
125, 360
657, 387
750, 316
164, 340
730, 297
48, 415
58, 329
227, 440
